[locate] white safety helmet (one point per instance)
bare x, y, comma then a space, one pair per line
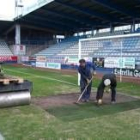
107, 82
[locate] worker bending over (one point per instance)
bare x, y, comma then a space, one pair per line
108, 81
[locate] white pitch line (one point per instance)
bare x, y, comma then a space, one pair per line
132, 96
43, 77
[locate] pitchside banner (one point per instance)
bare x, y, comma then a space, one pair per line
53, 66
25, 58
40, 64
118, 62
128, 72
8, 58
41, 59
71, 60
111, 62
75, 60
129, 62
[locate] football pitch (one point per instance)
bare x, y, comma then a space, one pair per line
69, 121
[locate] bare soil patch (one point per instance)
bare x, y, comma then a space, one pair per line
69, 99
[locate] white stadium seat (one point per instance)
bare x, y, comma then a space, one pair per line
4, 49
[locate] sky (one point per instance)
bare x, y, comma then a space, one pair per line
7, 8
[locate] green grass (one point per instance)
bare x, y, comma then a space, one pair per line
82, 122
74, 113
45, 82
41, 81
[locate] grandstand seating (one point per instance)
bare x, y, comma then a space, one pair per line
32, 49
53, 50
109, 33
4, 49
129, 48
61, 47
99, 49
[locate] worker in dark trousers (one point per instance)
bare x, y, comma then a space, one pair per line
108, 80
86, 71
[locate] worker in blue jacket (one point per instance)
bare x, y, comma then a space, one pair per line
86, 70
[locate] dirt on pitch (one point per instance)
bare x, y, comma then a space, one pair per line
69, 99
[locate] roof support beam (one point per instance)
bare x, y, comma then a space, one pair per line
110, 5
79, 20
48, 20
30, 26
46, 25
89, 12
9, 30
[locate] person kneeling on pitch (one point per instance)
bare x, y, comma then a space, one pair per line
86, 70
108, 81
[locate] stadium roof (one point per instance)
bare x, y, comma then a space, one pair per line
5, 25
69, 16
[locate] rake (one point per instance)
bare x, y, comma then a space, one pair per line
80, 96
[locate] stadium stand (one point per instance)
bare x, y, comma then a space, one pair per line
76, 17
99, 49
107, 48
32, 49
69, 47
53, 50
110, 34
61, 48
4, 49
